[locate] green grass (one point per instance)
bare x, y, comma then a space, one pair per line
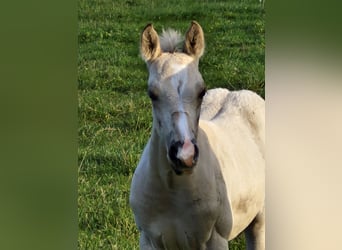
114, 110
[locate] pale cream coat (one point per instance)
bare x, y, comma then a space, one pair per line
224, 194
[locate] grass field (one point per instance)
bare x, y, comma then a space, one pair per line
114, 110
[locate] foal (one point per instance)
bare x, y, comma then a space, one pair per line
201, 178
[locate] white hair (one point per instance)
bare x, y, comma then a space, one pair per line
171, 41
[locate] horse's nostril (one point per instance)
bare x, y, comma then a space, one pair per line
173, 151
196, 154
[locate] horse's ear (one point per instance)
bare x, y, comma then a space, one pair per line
194, 40
150, 46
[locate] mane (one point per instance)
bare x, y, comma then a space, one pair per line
171, 41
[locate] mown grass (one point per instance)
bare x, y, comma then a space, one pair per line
114, 111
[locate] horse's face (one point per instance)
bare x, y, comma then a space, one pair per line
176, 89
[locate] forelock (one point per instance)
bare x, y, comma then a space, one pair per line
171, 41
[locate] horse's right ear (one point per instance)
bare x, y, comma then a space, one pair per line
150, 45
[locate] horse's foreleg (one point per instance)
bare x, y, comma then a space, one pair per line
217, 242
145, 243
255, 233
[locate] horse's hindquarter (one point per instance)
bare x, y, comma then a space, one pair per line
238, 146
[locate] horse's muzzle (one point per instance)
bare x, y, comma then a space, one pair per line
183, 155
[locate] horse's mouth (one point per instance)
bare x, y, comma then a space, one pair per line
179, 168
181, 171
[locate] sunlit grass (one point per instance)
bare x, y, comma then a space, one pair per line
114, 111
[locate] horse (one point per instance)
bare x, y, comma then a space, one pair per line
200, 181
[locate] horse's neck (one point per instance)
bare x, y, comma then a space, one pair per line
158, 154
159, 164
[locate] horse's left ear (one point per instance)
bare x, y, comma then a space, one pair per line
194, 40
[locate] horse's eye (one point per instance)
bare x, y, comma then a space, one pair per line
152, 95
202, 93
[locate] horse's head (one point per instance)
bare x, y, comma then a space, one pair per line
176, 89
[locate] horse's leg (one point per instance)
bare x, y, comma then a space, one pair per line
255, 233
145, 243
217, 242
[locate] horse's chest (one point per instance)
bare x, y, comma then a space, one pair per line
178, 225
